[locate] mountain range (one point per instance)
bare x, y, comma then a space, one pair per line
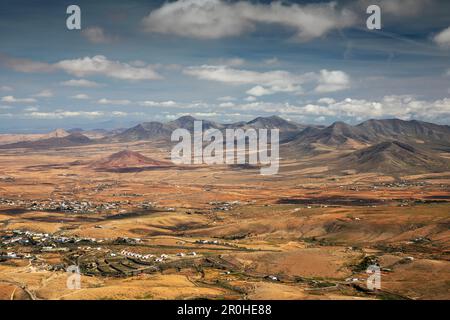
344, 136
389, 146
70, 140
158, 130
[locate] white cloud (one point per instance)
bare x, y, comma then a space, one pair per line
214, 19
61, 114
12, 99
114, 102
326, 101
5, 107
271, 82
168, 103
226, 105
44, 94
97, 35
31, 109
331, 81
100, 65
443, 38
250, 99
87, 66
259, 91
82, 83
394, 106
205, 114
277, 81
80, 96
119, 114
403, 107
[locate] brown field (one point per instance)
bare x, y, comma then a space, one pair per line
301, 234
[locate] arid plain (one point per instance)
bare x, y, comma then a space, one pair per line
140, 227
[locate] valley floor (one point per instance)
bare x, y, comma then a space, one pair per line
217, 232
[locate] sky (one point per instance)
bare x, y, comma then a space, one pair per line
313, 62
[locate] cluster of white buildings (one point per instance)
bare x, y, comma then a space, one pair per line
161, 258
207, 241
136, 255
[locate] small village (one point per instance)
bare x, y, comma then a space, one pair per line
78, 206
94, 256
72, 206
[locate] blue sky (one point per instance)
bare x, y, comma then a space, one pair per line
134, 61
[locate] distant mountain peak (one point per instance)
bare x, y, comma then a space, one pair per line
186, 118
273, 122
184, 121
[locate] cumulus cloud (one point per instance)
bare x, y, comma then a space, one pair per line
119, 113
271, 82
150, 103
331, 81
61, 114
259, 91
31, 109
398, 106
97, 35
82, 83
87, 66
215, 19
277, 81
80, 96
114, 102
12, 99
326, 100
443, 38
394, 106
44, 94
100, 65
226, 105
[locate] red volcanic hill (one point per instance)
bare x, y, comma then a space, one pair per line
126, 159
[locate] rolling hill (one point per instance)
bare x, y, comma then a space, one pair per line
126, 159
393, 157
72, 140
14, 138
